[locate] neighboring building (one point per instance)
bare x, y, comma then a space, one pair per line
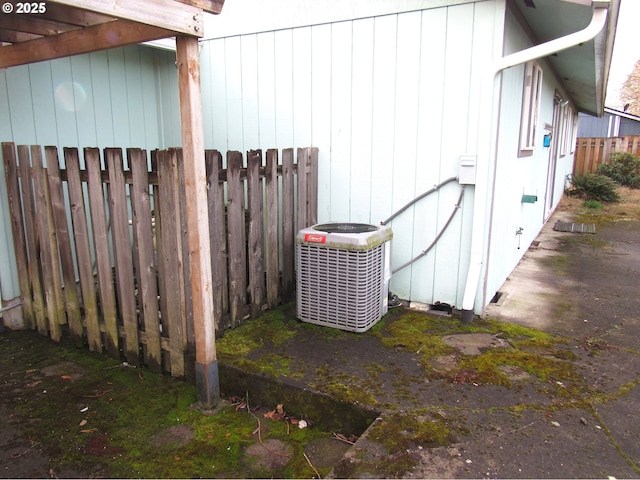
397, 96
614, 123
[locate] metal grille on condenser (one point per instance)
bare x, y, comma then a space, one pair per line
339, 288
574, 227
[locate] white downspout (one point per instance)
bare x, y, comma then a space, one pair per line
476, 260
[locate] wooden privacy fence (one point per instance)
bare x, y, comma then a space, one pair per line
102, 250
592, 152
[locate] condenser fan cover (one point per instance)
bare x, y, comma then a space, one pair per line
345, 228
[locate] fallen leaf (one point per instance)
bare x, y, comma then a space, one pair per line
66, 377
89, 430
83, 423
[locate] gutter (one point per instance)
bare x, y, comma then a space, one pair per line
485, 147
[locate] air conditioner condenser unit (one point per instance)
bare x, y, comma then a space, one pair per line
342, 274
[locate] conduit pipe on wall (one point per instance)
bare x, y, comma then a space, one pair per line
485, 151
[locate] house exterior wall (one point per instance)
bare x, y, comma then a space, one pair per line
391, 101
517, 175
125, 97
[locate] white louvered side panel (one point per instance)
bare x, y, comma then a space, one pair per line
339, 288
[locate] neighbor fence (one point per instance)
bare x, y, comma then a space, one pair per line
102, 247
592, 152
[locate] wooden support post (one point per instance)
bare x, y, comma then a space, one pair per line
195, 179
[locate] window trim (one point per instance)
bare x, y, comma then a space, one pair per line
531, 97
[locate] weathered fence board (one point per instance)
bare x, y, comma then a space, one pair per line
20, 244
103, 263
48, 261
83, 251
255, 248
125, 285
31, 238
592, 152
131, 296
288, 222
145, 261
72, 300
215, 203
170, 246
236, 239
271, 244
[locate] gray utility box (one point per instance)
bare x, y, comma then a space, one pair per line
342, 274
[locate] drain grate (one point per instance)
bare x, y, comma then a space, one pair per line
574, 227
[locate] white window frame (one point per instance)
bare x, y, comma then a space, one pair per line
566, 123
574, 132
531, 96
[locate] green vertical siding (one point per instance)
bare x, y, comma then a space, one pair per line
125, 97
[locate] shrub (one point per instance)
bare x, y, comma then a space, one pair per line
623, 168
594, 187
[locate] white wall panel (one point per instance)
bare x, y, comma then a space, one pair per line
321, 113
388, 100
284, 88
430, 101
302, 74
341, 119
383, 116
361, 134
266, 90
250, 101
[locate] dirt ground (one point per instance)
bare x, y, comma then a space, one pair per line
490, 400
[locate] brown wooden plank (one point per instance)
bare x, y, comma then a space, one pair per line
125, 285
218, 236
236, 241
145, 265
161, 265
169, 253
256, 232
83, 252
288, 225
272, 246
166, 14
32, 239
88, 39
103, 258
49, 259
206, 364
302, 181
187, 317
17, 228
72, 300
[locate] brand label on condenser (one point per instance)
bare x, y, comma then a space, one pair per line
314, 238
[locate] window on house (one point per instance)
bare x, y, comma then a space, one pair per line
564, 147
530, 106
574, 132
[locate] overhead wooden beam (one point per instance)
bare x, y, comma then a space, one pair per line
210, 6
98, 37
73, 16
34, 25
14, 37
195, 186
167, 14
